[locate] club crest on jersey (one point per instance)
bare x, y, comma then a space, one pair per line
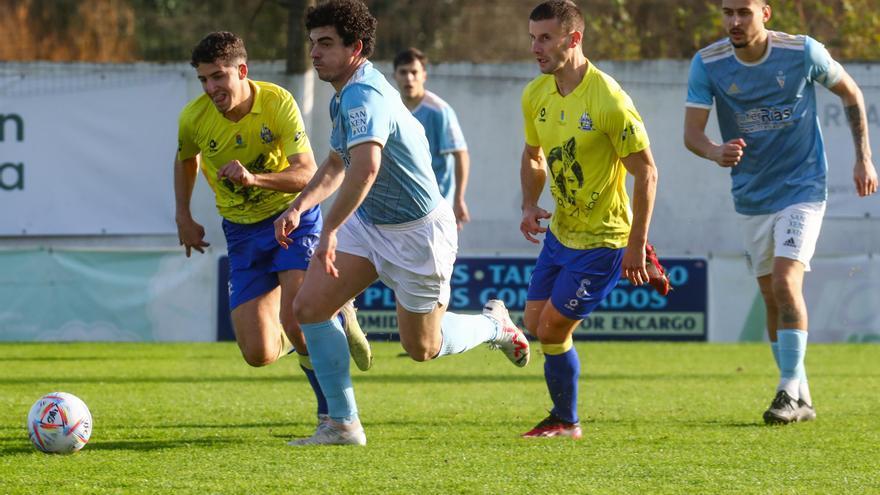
585, 123
733, 89
239, 141
780, 78
266, 135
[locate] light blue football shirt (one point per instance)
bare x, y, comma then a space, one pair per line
444, 137
771, 104
369, 109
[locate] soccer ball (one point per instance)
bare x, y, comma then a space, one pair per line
59, 423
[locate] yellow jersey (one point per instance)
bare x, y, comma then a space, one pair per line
262, 140
583, 136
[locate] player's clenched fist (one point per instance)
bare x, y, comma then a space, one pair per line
285, 224
531, 222
728, 154
237, 173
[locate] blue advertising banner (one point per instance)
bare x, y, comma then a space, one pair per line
627, 313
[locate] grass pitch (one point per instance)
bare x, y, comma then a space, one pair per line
657, 418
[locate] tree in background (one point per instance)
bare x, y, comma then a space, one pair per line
447, 30
66, 30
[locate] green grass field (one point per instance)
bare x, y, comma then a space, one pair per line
658, 418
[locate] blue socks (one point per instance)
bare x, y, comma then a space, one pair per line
792, 345
561, 371
461, 333
306, 364
328, 349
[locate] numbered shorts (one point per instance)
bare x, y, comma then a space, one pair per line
790, 233
255, 258
414, 259
574, 280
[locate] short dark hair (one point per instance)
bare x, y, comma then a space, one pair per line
351, 18
409, 56
565, 11
221, 46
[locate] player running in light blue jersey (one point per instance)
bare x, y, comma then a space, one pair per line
763, 86
388, 222
449, 154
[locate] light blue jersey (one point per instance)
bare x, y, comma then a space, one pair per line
771, 104
368, 109
444, 137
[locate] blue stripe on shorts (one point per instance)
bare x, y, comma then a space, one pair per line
255, 258
574, 280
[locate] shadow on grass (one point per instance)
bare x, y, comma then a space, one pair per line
360, 378
134, 445
25, 359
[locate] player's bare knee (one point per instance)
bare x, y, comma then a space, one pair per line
420, 352
259, 358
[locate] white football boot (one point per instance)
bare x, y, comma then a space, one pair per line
512, 341
329, 434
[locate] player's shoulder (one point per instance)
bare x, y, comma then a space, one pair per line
365, 82
272, 91
539, 87
785, 41
197, 109
604, 92
716, 51
433, 102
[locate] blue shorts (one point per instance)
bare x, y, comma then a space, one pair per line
255, 258
575, 280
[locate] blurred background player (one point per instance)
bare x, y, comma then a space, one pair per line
249, 139
583, 127
763, 85
388, 222
449, 155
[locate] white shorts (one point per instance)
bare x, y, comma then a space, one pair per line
414, 259
790, 233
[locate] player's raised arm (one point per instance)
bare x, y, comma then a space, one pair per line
864, 173
533, 175
190, 233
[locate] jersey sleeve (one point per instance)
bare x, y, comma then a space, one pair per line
531, 133
186, 145
623, 125
452, 137
821, 68
699, 87
364, 116
293, 131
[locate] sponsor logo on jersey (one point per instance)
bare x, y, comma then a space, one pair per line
239, 141
790, 242
733, 89
780, 78
357, 121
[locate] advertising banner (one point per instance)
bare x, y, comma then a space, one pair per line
627, 313
89, 154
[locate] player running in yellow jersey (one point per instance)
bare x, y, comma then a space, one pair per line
249, 139
582, 127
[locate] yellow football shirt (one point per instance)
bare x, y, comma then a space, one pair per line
583, 135
261, 141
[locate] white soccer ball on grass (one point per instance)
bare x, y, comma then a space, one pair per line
59, 423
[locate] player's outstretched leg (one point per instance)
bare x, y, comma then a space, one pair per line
510, 339
358, 345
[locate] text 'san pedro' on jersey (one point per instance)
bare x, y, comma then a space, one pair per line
583, 136
261, 141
